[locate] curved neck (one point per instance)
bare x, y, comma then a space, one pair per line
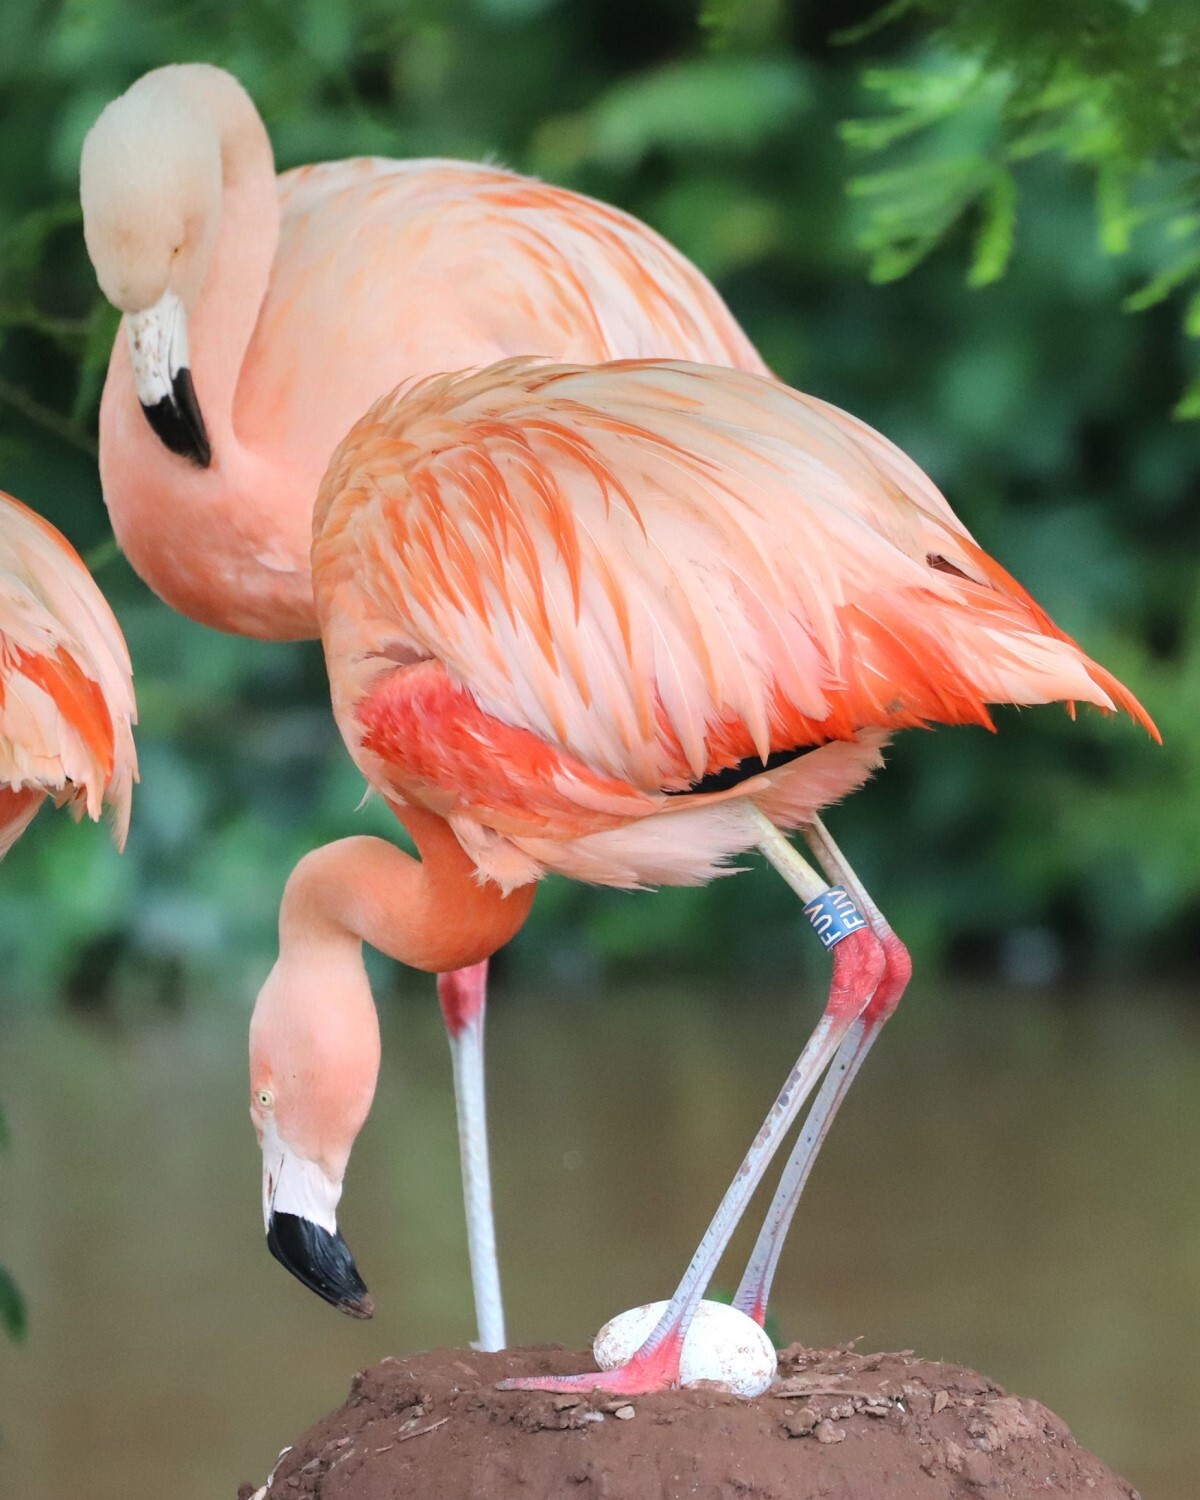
430, 914
235, 283
227, 545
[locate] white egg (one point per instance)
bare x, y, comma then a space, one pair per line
722, 1344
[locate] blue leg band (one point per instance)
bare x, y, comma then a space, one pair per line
834, 915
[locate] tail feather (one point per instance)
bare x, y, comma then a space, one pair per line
1002, 581
1122, 699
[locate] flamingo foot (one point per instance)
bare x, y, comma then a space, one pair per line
648, 1370
722, 1347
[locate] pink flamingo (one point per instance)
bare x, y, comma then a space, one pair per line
623, 623
66, 689
263, 315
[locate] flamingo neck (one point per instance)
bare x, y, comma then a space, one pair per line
227, 545
430, 914
222, 321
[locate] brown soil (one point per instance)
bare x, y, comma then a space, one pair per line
836, 1423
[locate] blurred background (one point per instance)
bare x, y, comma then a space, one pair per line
978, 228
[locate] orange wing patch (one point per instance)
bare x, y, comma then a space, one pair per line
650, 574
76, 697
443, 751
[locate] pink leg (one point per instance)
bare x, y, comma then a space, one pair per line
755, 1290
463, 997
857, 966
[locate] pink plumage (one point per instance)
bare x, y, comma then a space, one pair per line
307, 296
66, 689
625, 622
618, 620
264, 314
559, 602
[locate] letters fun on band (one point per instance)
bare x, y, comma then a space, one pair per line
834, 915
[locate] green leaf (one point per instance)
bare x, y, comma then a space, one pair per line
913, 208
1160, 287
103, 323
711, 103
881, 131
24, 246
12, 1308
1182, 226
741, 23
1187, 408
1113, 207
893, 11
994, 241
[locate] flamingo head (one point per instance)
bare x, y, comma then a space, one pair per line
314, 1061
150, 182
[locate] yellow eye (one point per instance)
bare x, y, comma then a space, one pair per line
265, 1098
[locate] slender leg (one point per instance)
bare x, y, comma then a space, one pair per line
857, 967
463, 997
754, 1292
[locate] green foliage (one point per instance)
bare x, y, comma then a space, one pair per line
12, 1304
742, 23
1104, 85
1040, 409
12, 1308
725, 104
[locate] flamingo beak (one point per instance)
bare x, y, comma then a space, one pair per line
322, 1261
299, 1211
158, 345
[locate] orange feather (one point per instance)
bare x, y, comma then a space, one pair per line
693, 566
66, 694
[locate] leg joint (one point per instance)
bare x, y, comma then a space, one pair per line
858, 966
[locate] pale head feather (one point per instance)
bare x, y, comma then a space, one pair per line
150, 182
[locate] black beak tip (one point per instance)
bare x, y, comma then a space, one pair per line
364, 1308
322, 1261
179, 423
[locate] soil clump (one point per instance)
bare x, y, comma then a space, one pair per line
836, 1423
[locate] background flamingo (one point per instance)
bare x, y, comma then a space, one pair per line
66, 689
265, 314
623, 623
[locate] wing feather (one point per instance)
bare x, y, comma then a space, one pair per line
66, 686
658, 569
460, 264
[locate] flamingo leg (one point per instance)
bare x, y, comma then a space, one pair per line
857, 967
754, 1292
463, 998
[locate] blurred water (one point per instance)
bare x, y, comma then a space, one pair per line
1012, 1185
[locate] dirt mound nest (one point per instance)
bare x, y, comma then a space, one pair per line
856, 1426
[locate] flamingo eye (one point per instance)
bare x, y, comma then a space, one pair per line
265, 1098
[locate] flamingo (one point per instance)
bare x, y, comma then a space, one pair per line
66, 688
262, 316
623, 623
